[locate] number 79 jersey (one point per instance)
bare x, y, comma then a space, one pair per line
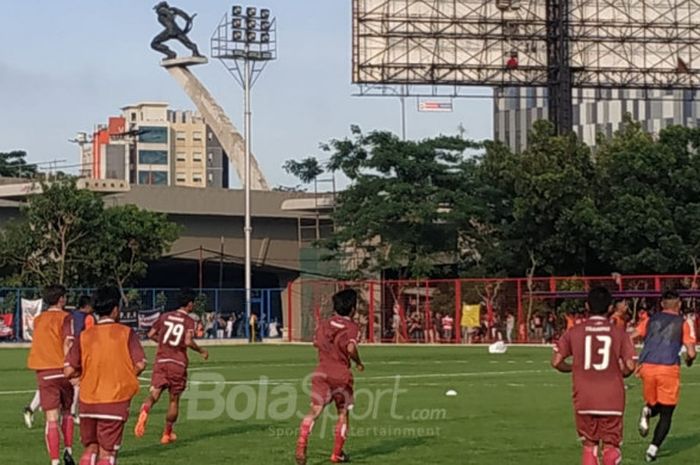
598, 348
171, 330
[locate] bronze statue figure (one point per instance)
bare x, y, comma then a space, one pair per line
167, 16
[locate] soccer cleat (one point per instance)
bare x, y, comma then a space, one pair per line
28, 417
165, 439
76, 419
651, 453
644, 421
68, 459
342, 458
140, 428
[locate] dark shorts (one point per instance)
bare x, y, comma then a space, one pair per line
55, 391
597, 428
105, 433
171, 376
331, 387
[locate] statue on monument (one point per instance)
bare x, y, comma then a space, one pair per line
167, 16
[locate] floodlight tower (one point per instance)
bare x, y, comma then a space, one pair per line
245, 42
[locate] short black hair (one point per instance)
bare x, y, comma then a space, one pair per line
670, 294
599, 301
53, 293
105, 299
84, 301
186, 296
344, 302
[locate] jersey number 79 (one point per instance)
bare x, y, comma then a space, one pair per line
173, 333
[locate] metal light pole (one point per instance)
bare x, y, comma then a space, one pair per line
245, 41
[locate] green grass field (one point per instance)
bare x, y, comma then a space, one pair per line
510, 409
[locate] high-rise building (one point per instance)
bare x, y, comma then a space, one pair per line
596, 111
150, 144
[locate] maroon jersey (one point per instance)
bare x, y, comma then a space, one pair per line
332, 339
597, 348
171, 330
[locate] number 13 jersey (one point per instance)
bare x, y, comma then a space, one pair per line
171, 330
598, 349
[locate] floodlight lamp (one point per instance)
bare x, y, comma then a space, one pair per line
251, 36
237, 10
238, 36
251, 24
265, 37
265, 25
251, 11
265, 13
237, 23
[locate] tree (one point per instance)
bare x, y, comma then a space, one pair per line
65, 235
130, 238
14, 165
51, 240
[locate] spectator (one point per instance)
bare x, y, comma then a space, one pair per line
220, 327
229, 326
415, 326
209, 327
448, 325
510, 326
549, 327
539, 327
396, 323
253, 328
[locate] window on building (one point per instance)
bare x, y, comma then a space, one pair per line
210, 177
133, 116
181, 178
197, 135
197, 157
197, 178
153, 157
210, 136
181, 156
153, 135
181, 135
156, 178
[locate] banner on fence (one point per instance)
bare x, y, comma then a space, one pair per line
30, 310
148, 319
471, 316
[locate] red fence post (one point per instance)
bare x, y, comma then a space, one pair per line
458, 311
428, 315
657, 283
520, 312
289, 311
370, 320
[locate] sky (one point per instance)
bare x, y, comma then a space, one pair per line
67, 65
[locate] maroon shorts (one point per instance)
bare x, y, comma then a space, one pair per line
169, 375
331, 387
105, 433
55, 391
597, 428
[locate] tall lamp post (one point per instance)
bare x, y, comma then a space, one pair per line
245, 42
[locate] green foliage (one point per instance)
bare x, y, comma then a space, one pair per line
14, 165
66, 235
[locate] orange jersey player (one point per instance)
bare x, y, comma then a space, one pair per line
619, 315
665, 333
108, 359
51, 331
174, 333
602, 356
336, 340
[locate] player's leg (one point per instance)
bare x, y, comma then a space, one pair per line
74, 407
109, 437
650, 409
67, 421
88, 437
342, 428
586, 428
52, 435
170, 419
610, 428
29, 410
663, 427
305, 428
151, 400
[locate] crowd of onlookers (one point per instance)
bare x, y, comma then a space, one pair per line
232, 326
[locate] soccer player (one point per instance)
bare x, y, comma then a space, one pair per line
602, 356
108, 359
336, 340
46, 358
619, 314
174, 333
664, 334
82, 319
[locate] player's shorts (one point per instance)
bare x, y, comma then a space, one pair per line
55, 391
107, 433
662, 384
331, 387
597, 428
169, 375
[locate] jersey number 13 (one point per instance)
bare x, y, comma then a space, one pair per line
597, 346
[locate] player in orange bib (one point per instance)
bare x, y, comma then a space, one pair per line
108, 359
46, 359
619, 315
664, 334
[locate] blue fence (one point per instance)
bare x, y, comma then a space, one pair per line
213, 305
